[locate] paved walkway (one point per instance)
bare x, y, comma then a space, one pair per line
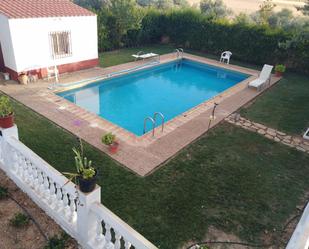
140, 154
293, 141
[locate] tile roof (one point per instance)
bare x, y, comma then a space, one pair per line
41, 8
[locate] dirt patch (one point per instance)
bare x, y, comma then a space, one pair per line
250, 6
28, 237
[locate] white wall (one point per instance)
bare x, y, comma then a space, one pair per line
31, 42
6, 43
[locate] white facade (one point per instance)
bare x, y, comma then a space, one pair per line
26, 42
6, 43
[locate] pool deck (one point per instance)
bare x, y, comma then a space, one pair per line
142, 154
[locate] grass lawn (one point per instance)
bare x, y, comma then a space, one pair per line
285, 106
120, 56
232, 179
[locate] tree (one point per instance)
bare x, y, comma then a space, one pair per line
115, 19
163, 4
90, 4
280, 19
265, 11
305, 9
214, 9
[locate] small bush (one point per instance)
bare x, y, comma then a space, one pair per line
57, 241
19, 220
108, 138
280, 68
3, 193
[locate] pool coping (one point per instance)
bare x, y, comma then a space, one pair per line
169, 126
141, 154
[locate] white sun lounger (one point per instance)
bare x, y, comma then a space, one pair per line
141, 55
264, 76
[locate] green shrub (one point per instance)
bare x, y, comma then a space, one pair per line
19, 220
57, 241
5, 106
280, 68
189, 28
108, 138
3, 193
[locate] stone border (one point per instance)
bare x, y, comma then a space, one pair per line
296, 142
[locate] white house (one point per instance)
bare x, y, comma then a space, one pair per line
36, 34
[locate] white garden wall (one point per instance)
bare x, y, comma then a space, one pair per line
79, 214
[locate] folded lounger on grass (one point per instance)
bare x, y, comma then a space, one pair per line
264, 76
141, 55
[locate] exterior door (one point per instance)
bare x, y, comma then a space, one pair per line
2, 65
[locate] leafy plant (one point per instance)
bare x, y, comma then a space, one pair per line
3, 192
57, 241
6, 108
19, 220
280, 68
108, 138
83, 166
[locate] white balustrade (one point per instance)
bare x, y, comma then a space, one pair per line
79, 214
118, 234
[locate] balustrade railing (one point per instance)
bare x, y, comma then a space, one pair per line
80, 215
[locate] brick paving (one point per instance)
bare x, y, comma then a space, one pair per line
141, 154
296, 142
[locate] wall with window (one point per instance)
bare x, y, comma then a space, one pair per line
42, 42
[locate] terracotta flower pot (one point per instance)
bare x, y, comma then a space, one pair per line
113, 148
7, 122
23, 79
279, 74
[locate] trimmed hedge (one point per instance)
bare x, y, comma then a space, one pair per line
188, 28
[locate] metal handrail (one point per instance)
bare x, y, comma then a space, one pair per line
179, 52
162, 118
153, 125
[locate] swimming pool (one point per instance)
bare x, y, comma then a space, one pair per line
171, 89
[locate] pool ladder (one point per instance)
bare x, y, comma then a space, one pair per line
179, 53
153, 120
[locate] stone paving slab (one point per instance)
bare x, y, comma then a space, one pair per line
296, 142
141, 154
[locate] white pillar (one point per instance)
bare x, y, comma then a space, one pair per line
86, 220
9, 132
6, 155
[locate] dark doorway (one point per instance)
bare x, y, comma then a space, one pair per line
2, 65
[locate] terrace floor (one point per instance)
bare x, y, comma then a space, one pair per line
140, 154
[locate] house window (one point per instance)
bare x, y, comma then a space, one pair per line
60, 44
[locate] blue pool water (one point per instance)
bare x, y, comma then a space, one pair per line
171, 89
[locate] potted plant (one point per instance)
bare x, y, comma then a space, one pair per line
109, 140
279, 69
6, 112
23, 78
85, 174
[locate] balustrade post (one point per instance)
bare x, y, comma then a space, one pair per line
86, 220
9, 132
7, 158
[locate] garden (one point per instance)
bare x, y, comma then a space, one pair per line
230, 179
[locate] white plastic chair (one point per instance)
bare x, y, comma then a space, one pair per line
225, 57
264, 76
52, 72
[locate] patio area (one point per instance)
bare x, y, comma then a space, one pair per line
143, 154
